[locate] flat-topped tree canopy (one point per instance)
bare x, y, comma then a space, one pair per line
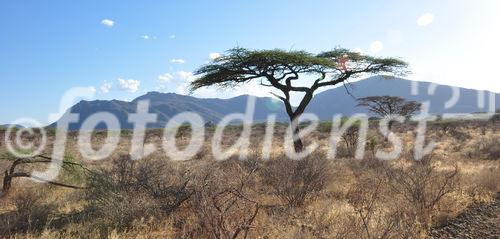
281, 69
355, 64
242, 65
389, 105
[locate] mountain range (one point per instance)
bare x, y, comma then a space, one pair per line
326, 104
5, 126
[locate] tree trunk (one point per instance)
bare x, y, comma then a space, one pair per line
297, 142
6, 184
386, 137
295, 115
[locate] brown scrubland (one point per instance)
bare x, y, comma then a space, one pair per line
315, 197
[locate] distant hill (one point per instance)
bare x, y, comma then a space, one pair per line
325, 104
5, 126
337, 101
167, 105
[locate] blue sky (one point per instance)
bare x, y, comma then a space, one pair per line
121, 48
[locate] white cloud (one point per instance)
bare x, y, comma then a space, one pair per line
165, 77
214, 55
106, 87
376, 46
172, 37
145, 37
178, 61
129, 85
92, 89
186, 75
108, 22
425, 19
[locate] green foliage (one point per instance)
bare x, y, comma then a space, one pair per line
50, 130
369, 64
126, 132
73, 172
282, 69
241, 65
326, 126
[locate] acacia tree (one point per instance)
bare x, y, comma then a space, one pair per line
292, 71
387, 106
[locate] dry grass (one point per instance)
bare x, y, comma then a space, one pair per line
256, 198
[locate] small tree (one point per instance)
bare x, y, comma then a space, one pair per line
282, 70
384, 106
388, 106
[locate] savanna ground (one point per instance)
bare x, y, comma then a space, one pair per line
276, 198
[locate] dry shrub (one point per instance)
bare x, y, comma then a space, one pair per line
279, 198
350, 138
344, 152
224, 202
421, 187
135, 190
339, 225
373, 210
444, 127
492, 149
322, 219
397, 199
372, 145
31, 214
297, 182
459, 135
484, 147
373, 216
449, 129
488, 179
